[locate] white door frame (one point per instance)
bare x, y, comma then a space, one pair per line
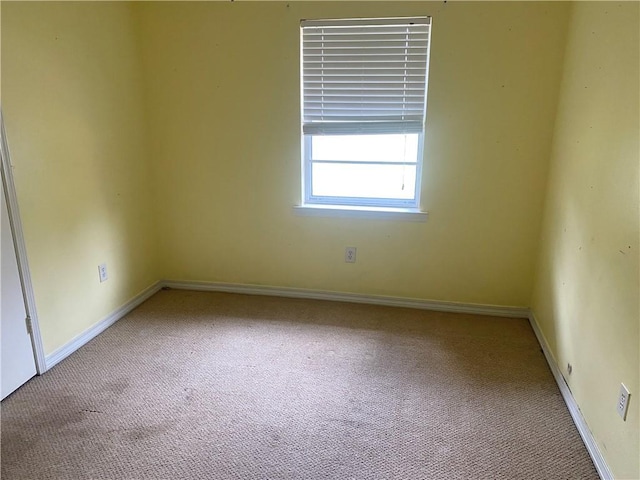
21, 250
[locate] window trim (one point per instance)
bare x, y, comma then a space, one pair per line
360, 204
376, 213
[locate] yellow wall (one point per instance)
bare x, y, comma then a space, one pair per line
586, 296
71, 83
223, 105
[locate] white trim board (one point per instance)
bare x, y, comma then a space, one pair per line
438, 306
377, 213
572, 405
21, 251
74, 344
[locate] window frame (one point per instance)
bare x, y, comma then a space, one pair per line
309, 199
363, 203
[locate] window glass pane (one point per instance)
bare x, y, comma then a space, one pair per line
363, 181
365, 148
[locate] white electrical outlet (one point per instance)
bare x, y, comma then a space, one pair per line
102, 271
623, 401
350, 255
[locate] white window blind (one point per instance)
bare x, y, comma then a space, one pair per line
364, 76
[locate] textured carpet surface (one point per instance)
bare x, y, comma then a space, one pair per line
195, 385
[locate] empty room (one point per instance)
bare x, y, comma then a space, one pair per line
320, 239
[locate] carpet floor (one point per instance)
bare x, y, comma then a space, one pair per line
197, 385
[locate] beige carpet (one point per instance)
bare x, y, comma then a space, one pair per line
195, 385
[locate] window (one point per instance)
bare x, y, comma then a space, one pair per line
364, 84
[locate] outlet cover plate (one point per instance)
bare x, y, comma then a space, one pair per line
350, 255
623, 401
102, 271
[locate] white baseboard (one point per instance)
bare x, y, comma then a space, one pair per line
63, 352
574, 409
493, 310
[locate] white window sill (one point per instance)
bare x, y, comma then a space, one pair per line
379, 213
